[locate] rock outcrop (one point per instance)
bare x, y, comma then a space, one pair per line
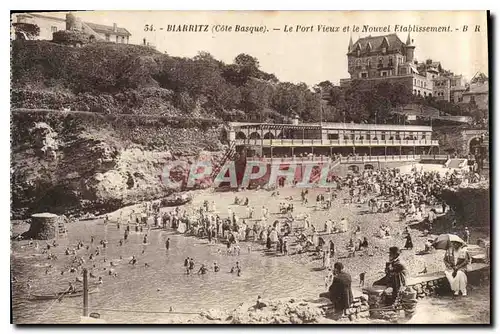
471, 203
71, 163
287, 311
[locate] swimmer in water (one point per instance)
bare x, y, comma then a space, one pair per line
238, 269
191, 264
133, 261
203, 270
216, 267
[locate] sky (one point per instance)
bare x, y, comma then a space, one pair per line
309, 57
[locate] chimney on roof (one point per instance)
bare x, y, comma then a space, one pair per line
115, 27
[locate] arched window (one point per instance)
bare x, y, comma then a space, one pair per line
241, 135
269, 135
254, 135
390, 61
353, 168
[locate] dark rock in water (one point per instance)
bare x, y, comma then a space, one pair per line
43, 226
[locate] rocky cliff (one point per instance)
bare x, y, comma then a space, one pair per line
470, 203
77, 162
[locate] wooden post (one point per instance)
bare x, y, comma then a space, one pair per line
85, 293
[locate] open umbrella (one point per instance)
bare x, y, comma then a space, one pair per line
441, 242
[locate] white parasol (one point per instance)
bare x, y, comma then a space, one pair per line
441, 242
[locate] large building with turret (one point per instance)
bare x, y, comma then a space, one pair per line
375, 59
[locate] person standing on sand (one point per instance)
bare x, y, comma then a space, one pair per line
326, 260
332, 249
268, 242
340, 291
167, 244
409, 242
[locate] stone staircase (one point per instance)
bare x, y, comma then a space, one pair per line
228, 155
456, 163
62, 231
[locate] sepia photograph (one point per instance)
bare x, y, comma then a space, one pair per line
250, 167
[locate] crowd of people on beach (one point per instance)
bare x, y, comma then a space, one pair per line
414, 195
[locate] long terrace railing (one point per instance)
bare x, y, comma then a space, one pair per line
375, 158
336, 142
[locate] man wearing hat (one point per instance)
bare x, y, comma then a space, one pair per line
395, 274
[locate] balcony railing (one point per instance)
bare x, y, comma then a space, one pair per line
336, 142
292, 159
352, 159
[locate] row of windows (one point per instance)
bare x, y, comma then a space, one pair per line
440, 83
353, 135
417, 92
364, 75
118, 39
335, 136
419, 83
380, 61
384, 50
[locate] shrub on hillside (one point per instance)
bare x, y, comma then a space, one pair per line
71, 37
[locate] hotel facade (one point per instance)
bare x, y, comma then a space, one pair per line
263, 140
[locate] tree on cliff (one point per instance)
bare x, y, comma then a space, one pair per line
247, 63
26, 30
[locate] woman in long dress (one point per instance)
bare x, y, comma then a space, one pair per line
344, 226
273, 235
315, 239
456, 260
326, 261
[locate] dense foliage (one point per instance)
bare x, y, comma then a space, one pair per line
133, 79
29, 29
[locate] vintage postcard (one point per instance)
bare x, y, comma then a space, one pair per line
237, 167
